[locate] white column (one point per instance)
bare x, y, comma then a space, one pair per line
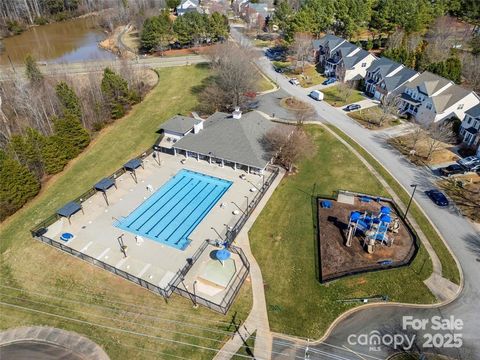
198, 157
210, 159
174, 152
222, 162
235, 166
248, 169
186, 154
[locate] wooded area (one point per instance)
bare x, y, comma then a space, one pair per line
46, 122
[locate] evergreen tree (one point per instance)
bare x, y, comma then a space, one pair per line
53, 155
27, 150
71, 135
157, 32
68, 99
31, 70
17, 185
115, 90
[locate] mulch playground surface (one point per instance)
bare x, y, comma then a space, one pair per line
337, 260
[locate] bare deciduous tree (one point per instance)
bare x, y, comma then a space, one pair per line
345, 90
304, 112
303, 48
471, 64
389, 106
235, 75
289, 145
438, 134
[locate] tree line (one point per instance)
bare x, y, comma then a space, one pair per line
37, 141
346, 17
161, 32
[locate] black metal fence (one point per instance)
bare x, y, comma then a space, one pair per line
407, 259
174, 285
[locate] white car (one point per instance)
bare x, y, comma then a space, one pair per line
470, 160
294, 81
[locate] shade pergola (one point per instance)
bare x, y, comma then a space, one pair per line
131, 166
69, 209
103, 185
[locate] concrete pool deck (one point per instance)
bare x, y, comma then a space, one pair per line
95, 234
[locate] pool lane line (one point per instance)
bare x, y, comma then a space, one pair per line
162, 205
178, 203
198, 205
155, 202
174, 205
201, 216
120, 263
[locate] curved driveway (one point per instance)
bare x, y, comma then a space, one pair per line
460, 235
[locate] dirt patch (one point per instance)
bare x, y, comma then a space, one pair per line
292, 103
337, 259
404, 144
370, 118
464, 190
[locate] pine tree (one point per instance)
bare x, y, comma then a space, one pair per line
71, 135
53, 155
115, 90
17, 185
27, 150
68, 99
31, 70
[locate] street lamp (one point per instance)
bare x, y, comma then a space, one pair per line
414, 186
216, 233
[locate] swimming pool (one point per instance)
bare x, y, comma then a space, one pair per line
171, 214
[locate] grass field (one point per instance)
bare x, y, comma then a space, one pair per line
449, 267
370, 118
47, 281
334, 98
284, 243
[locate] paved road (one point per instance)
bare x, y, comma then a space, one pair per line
6, 72
460, 235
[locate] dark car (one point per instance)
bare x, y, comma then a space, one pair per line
453, 169
329, 81
352, 107
437, 197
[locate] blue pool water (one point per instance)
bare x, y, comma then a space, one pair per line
171, 214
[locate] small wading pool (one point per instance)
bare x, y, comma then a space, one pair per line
66, 236
171, 214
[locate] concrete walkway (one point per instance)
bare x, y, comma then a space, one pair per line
257, 320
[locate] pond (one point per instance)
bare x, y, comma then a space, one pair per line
61, 42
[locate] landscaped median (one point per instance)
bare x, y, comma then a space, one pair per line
49, 287
284, 242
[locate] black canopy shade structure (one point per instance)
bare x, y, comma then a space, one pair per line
103, 185
131, 165
69, 209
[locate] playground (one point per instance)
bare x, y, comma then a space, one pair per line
359, 233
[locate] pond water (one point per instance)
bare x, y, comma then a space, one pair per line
67, 41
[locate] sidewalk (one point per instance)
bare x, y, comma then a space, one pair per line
257, 320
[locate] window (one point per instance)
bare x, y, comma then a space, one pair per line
364, 64
460, 107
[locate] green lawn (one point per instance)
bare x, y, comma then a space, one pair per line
334, 98
80, 290
284, 243
449, 267
246, 349
370, 118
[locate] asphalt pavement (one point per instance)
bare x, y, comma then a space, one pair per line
463, 341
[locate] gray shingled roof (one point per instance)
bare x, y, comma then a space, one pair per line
474, 111
430, 83
384, 65
351, 61
397, 80
331, 39
236, 140
449, 97
179, 124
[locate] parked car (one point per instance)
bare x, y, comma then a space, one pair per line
468, 160
471, 166
437, 197
474, 168
279, 70
329, 81
352, 107
316, 95
453, 169
294, 81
